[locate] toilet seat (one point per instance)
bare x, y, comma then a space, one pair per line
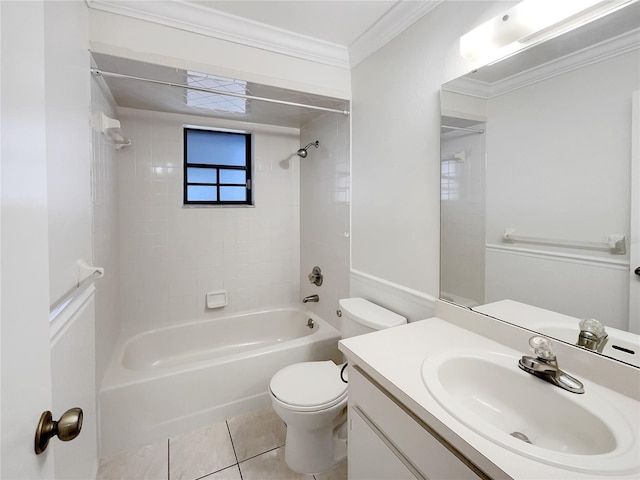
309, 386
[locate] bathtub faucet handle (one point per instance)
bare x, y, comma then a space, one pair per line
315, 276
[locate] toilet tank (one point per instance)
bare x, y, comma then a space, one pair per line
359, 316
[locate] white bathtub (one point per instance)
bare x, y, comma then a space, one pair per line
170, 380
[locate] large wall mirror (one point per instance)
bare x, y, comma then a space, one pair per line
536, 189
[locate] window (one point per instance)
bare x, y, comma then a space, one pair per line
217, 167
449, 179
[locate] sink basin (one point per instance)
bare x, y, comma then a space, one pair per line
488, 393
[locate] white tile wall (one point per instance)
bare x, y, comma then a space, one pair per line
106, 251
325, 191
172, 256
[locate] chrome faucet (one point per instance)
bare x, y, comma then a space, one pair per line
592, 335
311, 298
545, 366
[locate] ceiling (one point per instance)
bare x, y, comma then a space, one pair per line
346, 29
334, 32
339, 22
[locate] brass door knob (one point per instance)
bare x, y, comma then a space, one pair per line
67, 428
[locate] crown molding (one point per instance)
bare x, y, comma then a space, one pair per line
469, 86
582, 58
400, 17
619, 45
195, 18
192, 17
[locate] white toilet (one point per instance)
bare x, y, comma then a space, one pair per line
311, 398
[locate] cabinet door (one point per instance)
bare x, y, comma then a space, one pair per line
370, 458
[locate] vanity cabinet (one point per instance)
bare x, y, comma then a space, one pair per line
371, 455
388, 442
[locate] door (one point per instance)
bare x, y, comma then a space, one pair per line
634, 241
369, 455
24, 280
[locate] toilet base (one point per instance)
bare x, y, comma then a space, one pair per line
316, 451
316, 441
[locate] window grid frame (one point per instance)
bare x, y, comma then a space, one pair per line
248, 185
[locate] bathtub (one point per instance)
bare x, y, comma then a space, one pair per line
170, 380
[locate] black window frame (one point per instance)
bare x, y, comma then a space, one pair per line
247, 168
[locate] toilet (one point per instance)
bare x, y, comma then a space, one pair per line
311, 398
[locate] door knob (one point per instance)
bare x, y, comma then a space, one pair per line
67, 428
637, 271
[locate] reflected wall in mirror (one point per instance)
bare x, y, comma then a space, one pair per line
536, 163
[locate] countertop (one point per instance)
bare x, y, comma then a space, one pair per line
394, 358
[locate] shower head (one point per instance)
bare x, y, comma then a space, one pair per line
302, 153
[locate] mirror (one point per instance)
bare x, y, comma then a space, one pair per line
535, 185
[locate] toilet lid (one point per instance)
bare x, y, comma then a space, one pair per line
309, 384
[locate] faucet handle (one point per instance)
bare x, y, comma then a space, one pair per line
316, 276
542, 347
593, 326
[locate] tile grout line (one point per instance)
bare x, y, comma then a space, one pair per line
234, 448
261, 453
168, 459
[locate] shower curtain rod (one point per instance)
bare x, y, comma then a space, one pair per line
98, 72
466, 129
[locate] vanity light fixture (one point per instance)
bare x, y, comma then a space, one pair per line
530, 22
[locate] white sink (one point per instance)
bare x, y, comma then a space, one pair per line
488, 393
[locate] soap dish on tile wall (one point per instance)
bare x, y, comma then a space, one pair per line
217, 299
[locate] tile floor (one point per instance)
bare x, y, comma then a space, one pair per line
247, 447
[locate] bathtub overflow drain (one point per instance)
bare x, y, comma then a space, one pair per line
310, 323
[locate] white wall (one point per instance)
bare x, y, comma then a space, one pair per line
106, 225
74, 385
325, 194
571, 157
140, 40
67, 102
396, 138
171, 256
68, 142
561, 170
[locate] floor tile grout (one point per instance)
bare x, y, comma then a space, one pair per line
235, 454
217, 471
261, 453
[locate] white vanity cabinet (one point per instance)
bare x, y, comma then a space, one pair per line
404, 423
387, 442
371, 455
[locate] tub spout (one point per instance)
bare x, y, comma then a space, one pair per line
311, 298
